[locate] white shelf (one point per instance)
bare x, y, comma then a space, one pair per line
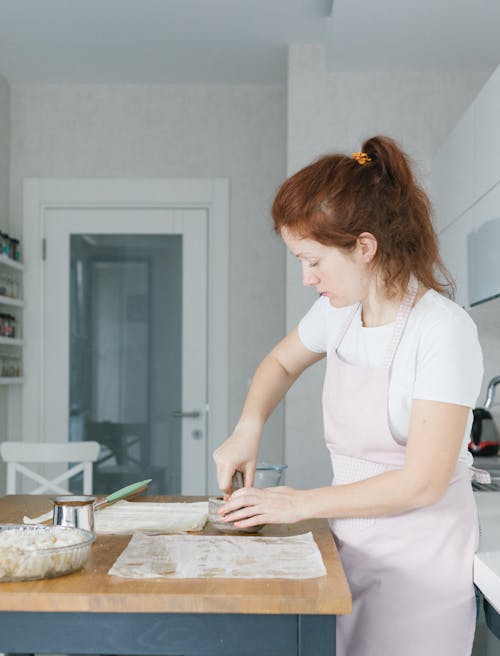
11, 341
7, 300
12, 264
9, 345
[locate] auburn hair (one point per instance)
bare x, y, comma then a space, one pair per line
337, 197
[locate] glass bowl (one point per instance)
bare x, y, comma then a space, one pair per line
35, 552
269, 475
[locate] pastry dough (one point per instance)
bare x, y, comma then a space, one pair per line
214, 556
128, 516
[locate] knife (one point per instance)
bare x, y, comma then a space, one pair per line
122, 493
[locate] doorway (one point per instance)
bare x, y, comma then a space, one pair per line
126, 339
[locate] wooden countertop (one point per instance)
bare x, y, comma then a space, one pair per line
93, 590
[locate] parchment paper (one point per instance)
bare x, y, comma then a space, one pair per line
224, 556
127, 517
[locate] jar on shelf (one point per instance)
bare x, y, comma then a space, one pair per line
4, 244
8, 366
3, 285
9, 286
15, 288
7, 325
12, 326
11, 367
16, 250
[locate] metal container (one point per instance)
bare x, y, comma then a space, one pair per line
74, 511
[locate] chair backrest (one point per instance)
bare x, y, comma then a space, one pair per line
124, 442
80, 454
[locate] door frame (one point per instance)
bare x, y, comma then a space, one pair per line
42, 194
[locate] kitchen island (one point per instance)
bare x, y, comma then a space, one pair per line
91, 612
487, 558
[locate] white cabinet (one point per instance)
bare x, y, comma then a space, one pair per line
467, 165
454, 253
11, 320
465, 191
477, 278
487, 110
453, 172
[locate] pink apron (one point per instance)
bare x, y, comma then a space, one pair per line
410, 574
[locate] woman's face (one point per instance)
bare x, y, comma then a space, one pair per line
340, 275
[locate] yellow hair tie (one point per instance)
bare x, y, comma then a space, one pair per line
361, 158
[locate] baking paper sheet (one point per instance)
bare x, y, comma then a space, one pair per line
224, 556
127, 517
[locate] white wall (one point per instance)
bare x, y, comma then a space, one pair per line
4, 152
237, 132
4, 221
487, 318
336, 112
466, 189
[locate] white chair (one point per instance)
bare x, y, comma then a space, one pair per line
80, 455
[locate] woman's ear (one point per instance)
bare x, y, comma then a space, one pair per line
366, 247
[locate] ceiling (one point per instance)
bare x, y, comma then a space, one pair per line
238, 41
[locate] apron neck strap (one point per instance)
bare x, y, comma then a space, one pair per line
399, 325
401, 319
345, 326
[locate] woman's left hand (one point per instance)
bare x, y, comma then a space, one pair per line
250, 506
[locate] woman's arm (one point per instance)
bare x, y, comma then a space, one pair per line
435, 437
272, 379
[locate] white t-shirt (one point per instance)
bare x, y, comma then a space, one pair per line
438, 358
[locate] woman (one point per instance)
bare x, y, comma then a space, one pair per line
403, 371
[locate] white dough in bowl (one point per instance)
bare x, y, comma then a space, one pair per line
36, 552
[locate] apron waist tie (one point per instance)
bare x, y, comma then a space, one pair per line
480, 475
348, 469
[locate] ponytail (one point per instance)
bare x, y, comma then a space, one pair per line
336, 198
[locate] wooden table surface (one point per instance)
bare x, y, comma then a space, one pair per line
93, 590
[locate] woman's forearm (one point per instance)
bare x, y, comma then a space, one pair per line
385, 494
269, 385
271, 381
240, 451
389, 493
273, 378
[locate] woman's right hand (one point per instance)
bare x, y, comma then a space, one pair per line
238, 453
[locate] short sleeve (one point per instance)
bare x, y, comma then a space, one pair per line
449, 362
313, 327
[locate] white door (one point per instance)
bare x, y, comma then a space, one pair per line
125, 341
